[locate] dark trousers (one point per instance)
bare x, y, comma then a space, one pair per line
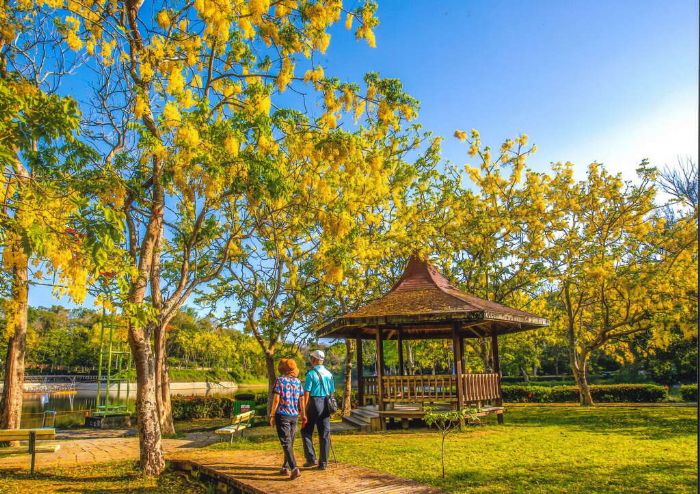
318, 417
286, 430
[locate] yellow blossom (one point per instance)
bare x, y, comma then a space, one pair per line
461, 135
163, 19
232, 145
171, 114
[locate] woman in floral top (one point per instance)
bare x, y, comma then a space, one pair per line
287, 408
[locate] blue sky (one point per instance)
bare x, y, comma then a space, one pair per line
609, 81
613, 81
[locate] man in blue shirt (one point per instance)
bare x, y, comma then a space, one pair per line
319, 384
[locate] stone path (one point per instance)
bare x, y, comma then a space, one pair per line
258, 472
99, 450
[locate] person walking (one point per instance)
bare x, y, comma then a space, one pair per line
319, 384
287, 407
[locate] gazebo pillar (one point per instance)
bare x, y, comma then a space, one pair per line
360, 376
457, 348
399, 342
380, 371
380, 375
497, 370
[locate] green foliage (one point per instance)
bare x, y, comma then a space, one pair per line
62, 339
208, 407
689, 392
67, 340
611, 393
245, 396
446, 420
195, 341
200, 407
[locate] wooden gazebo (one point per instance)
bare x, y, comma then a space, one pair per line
424, 305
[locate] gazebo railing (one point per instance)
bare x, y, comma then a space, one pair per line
481, 387
440, 387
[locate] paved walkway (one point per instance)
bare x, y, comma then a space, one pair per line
258, 472
99, 450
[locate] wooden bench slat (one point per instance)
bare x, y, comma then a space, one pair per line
23, 434
239, 423
231, 429
243, 417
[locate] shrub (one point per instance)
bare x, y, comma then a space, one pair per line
245, 396
201, 407
260, 411
604, 393
689, 392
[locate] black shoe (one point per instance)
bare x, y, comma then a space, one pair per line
309, 464
321, 466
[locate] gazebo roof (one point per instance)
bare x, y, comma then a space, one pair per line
423, 304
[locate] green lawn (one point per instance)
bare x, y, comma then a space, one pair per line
631, 449
95, 479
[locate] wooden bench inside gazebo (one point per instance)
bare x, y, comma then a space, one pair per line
424, 305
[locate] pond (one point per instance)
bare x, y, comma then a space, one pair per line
72, 406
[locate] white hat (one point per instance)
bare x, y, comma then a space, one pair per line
318, 354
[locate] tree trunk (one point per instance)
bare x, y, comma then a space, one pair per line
578, 369
271, 376
442, 454
523, 371
11, 403
578, 362
151, 451
581, 376
163, 402
347, 391
152, 461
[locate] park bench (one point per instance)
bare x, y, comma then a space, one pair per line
32, 436
239, 423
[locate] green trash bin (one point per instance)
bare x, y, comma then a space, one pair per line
242, 406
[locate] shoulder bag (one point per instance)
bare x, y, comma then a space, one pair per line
330, 402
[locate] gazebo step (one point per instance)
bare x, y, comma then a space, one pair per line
359, 424
365, 414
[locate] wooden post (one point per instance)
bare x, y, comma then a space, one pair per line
457, 348
380, 375
360, 365
32, 450
399, 342
461, 351
497, 369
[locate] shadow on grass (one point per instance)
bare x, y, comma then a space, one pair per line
649, 422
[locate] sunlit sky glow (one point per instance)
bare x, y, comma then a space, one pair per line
607, 81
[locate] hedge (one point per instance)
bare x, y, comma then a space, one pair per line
601, 393
689, 392
201, 407
245, 396
211, 407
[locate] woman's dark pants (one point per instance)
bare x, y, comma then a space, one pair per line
317, 417
286, 430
